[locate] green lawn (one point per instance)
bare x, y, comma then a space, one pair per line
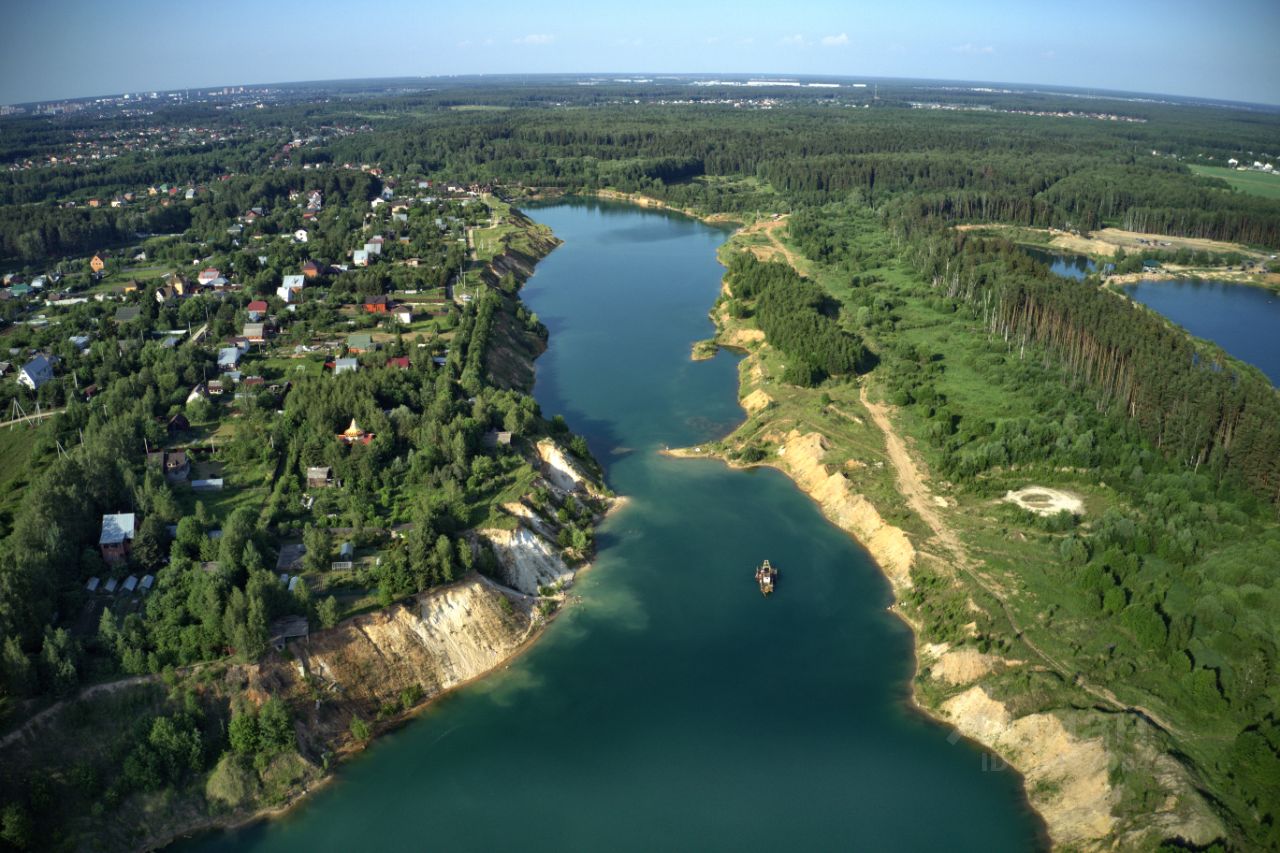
17, 444
1254, 183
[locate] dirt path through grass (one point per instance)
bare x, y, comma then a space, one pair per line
920, 498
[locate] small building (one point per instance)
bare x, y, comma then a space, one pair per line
290, 290
360, 342
346, 552
99, 261
257, 309
110, 586
176, 466
208, 275
256, 332
228, 359
300, 236
178, 424
498, 438
146, 583
127, 314
36, 372
345, 365
355, 435
379, 304
290, 557
289, 628
319, 478
130, 584
360, 258
213, 484
310, 269
92, 585
117, 536
400, 362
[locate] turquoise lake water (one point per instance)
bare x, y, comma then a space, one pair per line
673, 707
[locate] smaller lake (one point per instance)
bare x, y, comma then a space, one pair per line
1243, 320
1068, 266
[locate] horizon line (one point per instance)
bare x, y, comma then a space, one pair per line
1205, 100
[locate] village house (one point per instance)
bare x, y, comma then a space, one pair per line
127, 314
360, 342
319, 478
208, 275
36, 372
399, 362
311, 269
98, 262
380, 304
117, 536
360, 258
256, 333
345, 365
257, 308
300, 236
290, 290
228, 359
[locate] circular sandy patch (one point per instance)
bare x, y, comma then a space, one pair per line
1046, 501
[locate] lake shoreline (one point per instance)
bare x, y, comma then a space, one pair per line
349, 749
882, 541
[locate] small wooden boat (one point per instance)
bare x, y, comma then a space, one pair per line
766, 576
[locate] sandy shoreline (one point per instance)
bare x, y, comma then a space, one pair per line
1065, 776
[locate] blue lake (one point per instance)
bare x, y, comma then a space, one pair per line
1243, 320
673, 707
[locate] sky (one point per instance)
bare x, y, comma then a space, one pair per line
76, 48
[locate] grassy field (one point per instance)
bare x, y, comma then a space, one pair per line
17, 444
1253, 183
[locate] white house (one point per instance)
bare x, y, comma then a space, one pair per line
291, 289
300, 236
36, 372
360, 258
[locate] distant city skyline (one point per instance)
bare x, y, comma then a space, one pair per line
66, 49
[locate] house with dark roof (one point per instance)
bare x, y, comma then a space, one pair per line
36, 372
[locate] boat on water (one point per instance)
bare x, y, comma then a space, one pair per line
766, 576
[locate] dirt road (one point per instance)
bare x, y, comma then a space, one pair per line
923, 503
87, 693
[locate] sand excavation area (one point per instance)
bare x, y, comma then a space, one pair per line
1045, 501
